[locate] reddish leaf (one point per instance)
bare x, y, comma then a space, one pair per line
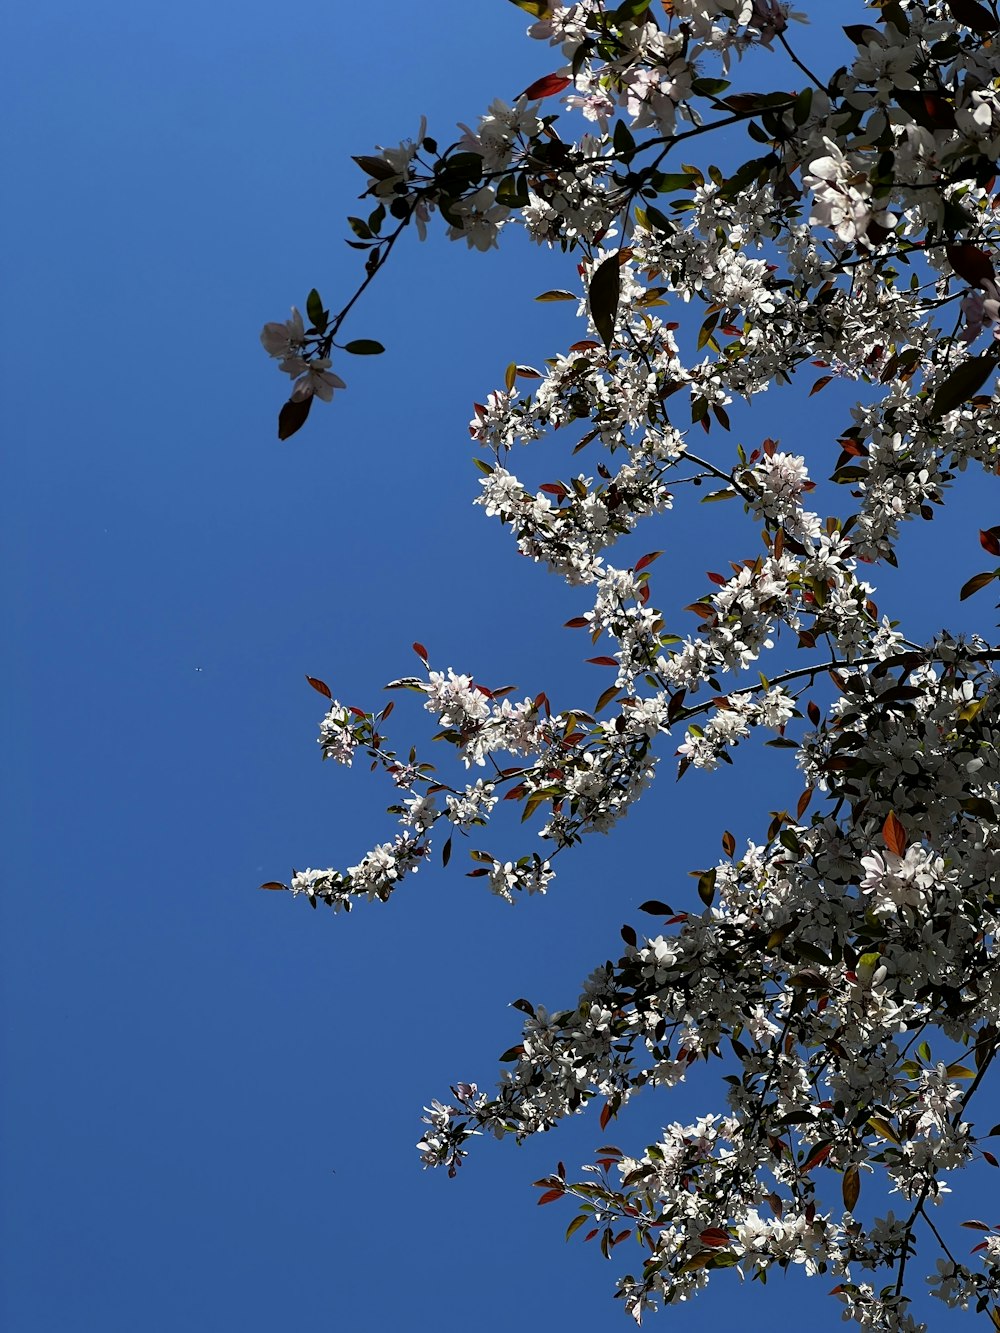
578, 622
894, 834
421, 652
292, 416
821, 383
645, 560
320, 686
606, 1114
546, 86
602, 661
728, 843
815, 1157
989, 540
803, 804
550, 1196
714, 1236
851, 1188
990, 1158
972, 265
975, 583
273, 884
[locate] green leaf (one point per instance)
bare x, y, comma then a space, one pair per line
575, 1225
314, 309
667, 182
623, 141
364, 347
630, 9
605, 288
709, 87
706, 886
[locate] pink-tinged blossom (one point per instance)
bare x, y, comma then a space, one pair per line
314, 377
285, 340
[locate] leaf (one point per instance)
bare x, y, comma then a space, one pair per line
606, 698
446, 853
714, 1236
546, 86
655, 908
605, 288
575, 1225
556, 295
964, 381
645, 560
706, 886
884, 1130
376, 166
972, 265
550, 1196
364, 347
273, 884
894, 834
602, 661
320, 685
851, 1188
315, 311
971, 14
292, 416
989, 540
537, 8
421, 652
976, 582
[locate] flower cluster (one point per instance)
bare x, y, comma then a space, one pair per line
822, 961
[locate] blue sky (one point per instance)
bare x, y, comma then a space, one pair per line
212, 1094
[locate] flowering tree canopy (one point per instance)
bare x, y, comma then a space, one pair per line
825, 960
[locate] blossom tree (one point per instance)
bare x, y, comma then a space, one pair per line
822, 962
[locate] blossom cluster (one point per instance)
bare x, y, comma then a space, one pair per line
847, 965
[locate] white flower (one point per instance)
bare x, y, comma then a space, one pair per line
284, 340
315, 377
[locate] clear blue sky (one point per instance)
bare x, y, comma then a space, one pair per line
211, 1095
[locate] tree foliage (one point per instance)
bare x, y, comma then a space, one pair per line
844, 970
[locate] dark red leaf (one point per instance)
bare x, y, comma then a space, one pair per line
972, 265
273, 884
714, 1236
421, 652
320, 686
989, 540
550, 1196
292, 416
